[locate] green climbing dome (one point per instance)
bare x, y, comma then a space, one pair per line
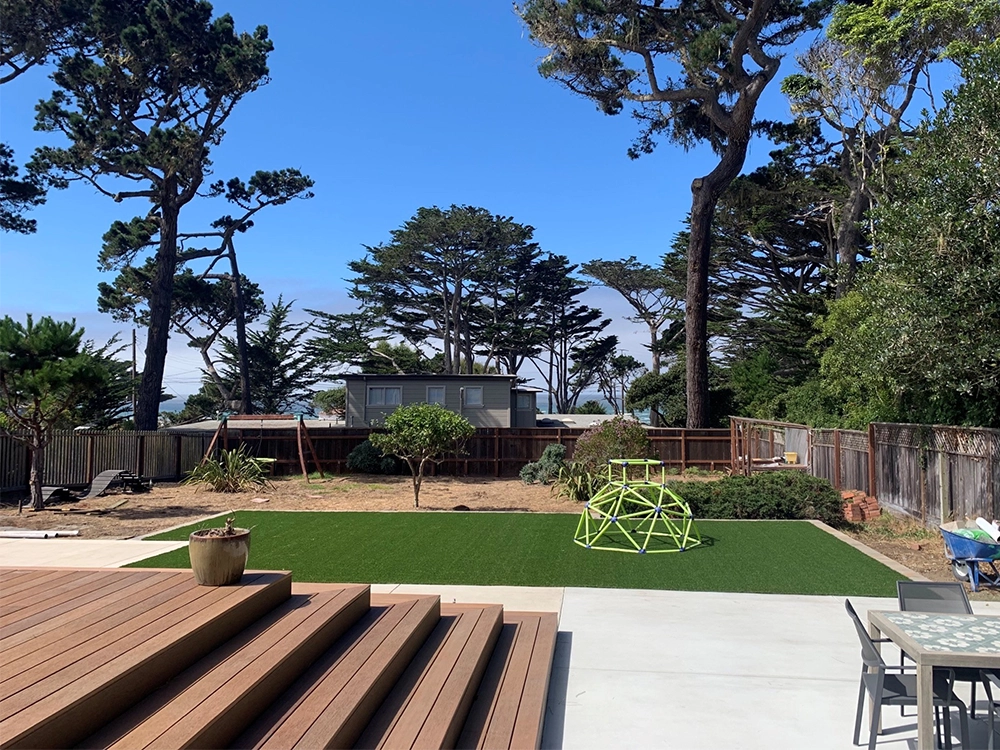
637, 515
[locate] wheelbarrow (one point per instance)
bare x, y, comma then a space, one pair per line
972, 560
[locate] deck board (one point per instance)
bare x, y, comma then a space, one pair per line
215, 699
64, 596
531, 712
12, 595
429, 704
332, 702
59, 701
10, 575
73, 624
511, 697
504, 714
148, 659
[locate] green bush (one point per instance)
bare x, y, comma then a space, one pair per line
545, 469
768, 495
233, 471
367, 459
616, 438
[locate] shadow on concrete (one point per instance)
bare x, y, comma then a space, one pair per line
555, 705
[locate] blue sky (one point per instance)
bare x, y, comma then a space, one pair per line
389, 106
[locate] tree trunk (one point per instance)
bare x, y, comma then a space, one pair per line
161, 295
418, 477
696, 306
654, 349
37, 470
246, 404
849, 237
705, 195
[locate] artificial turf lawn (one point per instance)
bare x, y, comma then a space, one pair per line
529, 549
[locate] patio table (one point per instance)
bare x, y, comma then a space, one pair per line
938, 640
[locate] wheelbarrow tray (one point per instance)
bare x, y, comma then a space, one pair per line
971, 559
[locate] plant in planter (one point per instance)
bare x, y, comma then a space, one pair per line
219, 556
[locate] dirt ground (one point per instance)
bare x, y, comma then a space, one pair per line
169, 505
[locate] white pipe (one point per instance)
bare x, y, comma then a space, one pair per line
33, 534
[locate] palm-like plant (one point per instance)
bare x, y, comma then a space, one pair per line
234, 471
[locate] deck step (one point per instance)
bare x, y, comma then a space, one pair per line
330, 705
85, 681
214, 700
509, 708
431, 701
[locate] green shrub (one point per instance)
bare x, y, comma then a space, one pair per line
545, 469
367, 459
767, 495
616, 438
232, 471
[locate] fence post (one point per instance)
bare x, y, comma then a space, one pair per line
732, 446
836, 460
944, 485
922, 460
496, 451
90, 459
872, 453
684, 451
140, 455
178, 465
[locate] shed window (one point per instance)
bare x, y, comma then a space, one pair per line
435, 394
472, 395
523, 400
385, 395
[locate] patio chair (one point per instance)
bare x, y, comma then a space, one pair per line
941, 597
889, 686
991, 678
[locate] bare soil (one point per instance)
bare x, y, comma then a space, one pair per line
169, 505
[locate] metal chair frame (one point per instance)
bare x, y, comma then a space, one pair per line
903, 688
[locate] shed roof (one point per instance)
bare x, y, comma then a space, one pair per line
429, 376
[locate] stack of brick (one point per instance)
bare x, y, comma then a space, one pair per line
859, 507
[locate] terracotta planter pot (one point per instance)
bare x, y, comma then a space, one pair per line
218, 560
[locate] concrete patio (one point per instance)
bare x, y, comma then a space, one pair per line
645, 669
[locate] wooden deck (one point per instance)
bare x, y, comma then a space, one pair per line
148, 659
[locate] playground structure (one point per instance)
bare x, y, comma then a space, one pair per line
637, 515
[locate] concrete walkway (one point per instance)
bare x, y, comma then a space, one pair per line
656, 669
79, 553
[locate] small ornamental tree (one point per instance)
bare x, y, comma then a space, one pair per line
421, 434
44, 374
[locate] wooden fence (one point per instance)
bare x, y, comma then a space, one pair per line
841, 456
938, 474
932, 473
74, 458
